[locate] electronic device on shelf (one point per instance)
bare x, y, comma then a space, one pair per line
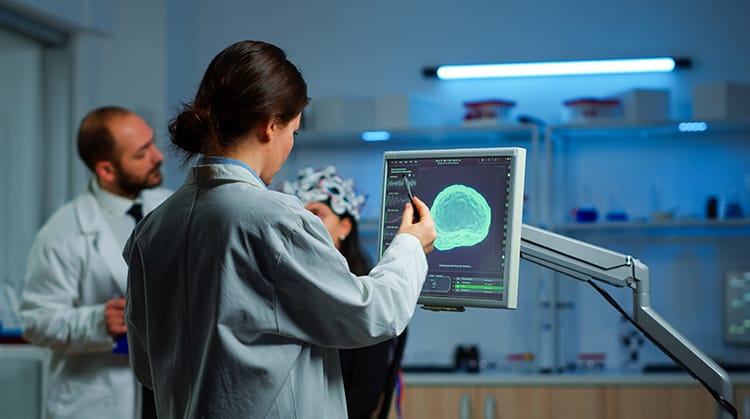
737, 306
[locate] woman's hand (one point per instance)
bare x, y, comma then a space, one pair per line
424, 229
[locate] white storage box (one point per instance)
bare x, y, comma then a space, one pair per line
645, 105
399, 112
488, 112
591, 109
385, 112
721, 101
340, 114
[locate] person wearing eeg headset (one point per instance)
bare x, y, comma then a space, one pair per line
339, 205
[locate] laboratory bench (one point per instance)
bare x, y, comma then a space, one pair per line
488, 394
594, 395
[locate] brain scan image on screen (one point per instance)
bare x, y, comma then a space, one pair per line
475, 198
462, 217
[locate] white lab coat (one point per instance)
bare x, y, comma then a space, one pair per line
75, 265
238, 302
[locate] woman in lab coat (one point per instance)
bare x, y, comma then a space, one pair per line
237, 298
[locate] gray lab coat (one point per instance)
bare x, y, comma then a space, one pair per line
238, 301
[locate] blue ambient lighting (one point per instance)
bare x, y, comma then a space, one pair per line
692, 126
559, 68
376, 136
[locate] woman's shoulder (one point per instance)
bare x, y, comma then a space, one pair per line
266, 204
279, 203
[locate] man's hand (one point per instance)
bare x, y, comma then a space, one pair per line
424, 229
114, 316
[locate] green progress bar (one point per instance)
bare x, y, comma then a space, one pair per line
479, 287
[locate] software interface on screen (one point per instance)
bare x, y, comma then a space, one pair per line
475, 198
737, 306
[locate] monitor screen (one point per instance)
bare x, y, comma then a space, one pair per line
737, 306
476, 200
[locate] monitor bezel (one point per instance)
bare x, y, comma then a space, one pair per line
517, 157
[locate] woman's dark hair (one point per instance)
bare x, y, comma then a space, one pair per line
248, 83
359, 263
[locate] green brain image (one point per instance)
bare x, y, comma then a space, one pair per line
462, 217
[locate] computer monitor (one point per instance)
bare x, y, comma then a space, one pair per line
476, 200
737, 306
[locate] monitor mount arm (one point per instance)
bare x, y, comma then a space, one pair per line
587, 262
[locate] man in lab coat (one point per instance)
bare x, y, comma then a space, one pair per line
76, 277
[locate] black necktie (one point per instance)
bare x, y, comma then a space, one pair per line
136, 211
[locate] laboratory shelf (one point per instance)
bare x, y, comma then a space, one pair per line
652, 171
632, 162
739, 226
453, 136
651, 130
